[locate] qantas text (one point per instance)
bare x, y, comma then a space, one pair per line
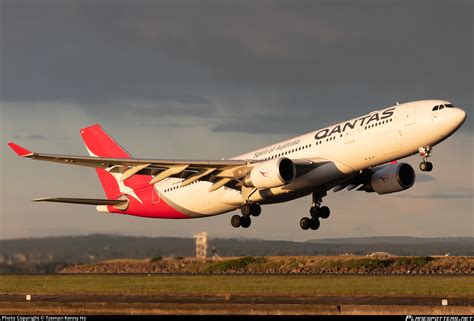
338, 129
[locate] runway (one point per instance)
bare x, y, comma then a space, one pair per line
262, 300
251, 305
235, 294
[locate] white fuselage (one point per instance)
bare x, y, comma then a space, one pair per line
346, 148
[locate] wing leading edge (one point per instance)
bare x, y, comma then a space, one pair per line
190, 170
219, 172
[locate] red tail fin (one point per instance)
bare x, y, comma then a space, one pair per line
101, 144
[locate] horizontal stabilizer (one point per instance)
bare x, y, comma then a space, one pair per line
85, 201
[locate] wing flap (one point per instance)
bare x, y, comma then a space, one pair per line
132, 171
196, 176
172, 170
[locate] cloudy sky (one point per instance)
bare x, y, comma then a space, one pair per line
212, 79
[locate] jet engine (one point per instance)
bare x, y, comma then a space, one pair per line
271, 173
390, 179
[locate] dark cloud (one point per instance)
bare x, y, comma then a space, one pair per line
266, 123
320, 44
30, 136
262, 67
189, 106
170, 124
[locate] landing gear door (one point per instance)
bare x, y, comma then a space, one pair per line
410, 116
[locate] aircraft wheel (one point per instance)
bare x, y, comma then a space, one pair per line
246, 209
255, 209
314, 224
426, 166
429, 166
314, 211
245, 221
423, 166
235, 221
305, 223
324, 212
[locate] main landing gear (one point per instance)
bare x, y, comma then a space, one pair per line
425, 152
316, 211
247, 209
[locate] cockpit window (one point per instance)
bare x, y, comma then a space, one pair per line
435, 107
441, 107
448, 105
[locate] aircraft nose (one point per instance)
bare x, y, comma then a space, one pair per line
459, 115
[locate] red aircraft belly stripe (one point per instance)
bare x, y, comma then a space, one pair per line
153, 206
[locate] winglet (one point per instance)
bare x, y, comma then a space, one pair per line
20, 151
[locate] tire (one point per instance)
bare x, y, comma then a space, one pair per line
305, 223
324, 212
246, 209
423, 166
255, 209
235, 221
313, 211
314, 224
245, 221
429, 166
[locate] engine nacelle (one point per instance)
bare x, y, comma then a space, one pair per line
391, 178
272, 173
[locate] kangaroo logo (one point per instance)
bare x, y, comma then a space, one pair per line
264, 174
124, 189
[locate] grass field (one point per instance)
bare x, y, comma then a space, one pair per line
264, 285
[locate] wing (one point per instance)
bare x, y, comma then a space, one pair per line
191, 170
101, 162
219, 172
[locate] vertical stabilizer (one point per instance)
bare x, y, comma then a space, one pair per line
101, 144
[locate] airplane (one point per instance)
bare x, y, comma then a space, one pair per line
360, 153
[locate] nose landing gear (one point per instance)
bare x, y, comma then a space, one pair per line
425, 152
